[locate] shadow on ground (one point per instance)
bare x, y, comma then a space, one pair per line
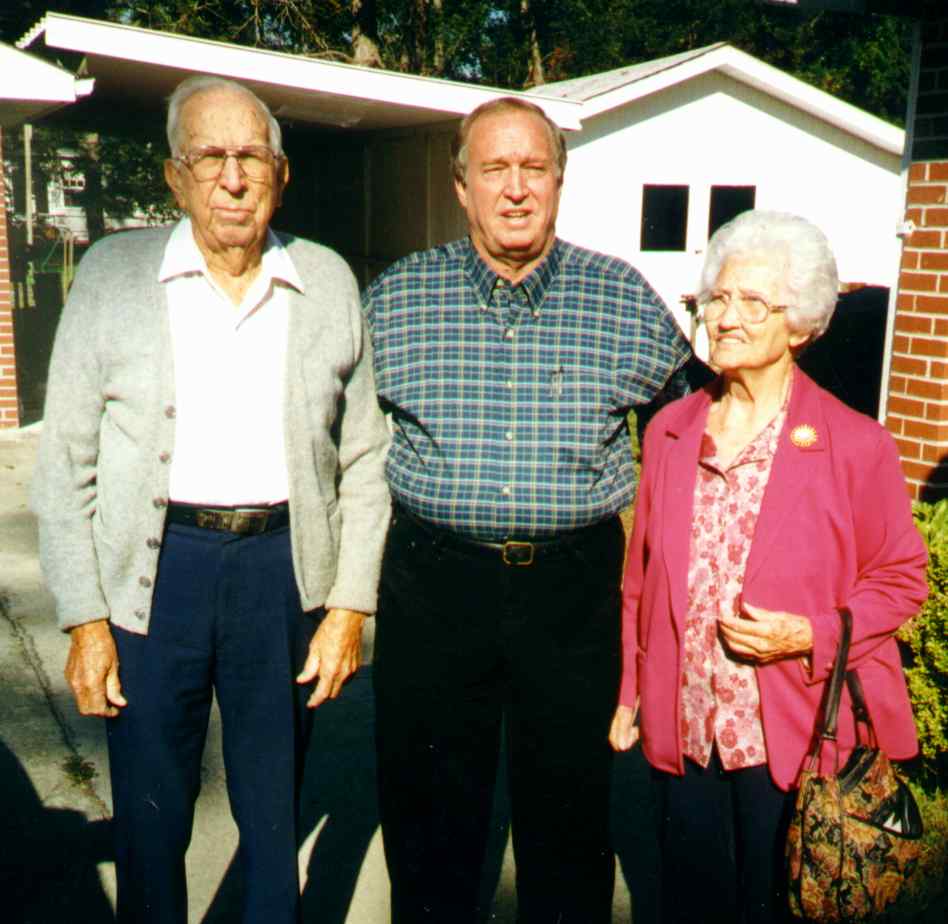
339, 794
48, 856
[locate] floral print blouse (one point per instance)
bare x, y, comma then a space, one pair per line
720, 702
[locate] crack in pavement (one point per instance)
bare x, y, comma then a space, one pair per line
32, 658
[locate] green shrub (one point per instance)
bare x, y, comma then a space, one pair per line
925, 899
926, 637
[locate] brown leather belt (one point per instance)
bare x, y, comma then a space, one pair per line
243, 521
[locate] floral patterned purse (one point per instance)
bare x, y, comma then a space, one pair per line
855, 836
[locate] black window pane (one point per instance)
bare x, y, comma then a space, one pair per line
664, 217
728, 202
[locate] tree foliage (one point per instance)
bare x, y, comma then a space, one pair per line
863, 59
120, 172
926, 636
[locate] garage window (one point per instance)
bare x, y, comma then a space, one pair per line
728, 202
664, 217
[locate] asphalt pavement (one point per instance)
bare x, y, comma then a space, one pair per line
56, 860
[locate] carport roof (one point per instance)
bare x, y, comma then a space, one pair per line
31, 87
133, 65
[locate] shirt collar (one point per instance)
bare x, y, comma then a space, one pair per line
535, 286
183, 257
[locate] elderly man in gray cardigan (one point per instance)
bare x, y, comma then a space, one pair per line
212, 502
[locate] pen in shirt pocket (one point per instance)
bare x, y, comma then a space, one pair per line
556, 382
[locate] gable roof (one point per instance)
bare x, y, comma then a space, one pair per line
31, 87
132, 63
603, 92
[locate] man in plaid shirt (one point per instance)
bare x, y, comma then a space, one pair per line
508, 361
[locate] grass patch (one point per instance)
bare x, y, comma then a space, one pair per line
78, 771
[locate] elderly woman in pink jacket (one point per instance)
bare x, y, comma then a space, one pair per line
765, 506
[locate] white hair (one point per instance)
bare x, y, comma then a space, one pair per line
192, 86
809, 276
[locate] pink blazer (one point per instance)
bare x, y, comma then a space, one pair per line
835, 529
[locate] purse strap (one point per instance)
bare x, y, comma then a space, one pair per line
834, 688
860, 710
832, 695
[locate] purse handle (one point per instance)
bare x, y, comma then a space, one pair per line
834, 689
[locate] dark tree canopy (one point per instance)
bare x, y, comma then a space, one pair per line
863, 59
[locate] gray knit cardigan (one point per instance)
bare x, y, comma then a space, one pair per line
101, 484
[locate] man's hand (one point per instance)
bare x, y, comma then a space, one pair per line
624, 733
92, 670
763, 636
334, 654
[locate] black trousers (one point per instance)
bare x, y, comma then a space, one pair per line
226, 617
462, 643
722, 846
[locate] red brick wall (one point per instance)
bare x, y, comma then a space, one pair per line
9, 405
917, 409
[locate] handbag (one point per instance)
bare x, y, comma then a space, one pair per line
855, 836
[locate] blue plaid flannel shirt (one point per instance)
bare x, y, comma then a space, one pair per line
509, 403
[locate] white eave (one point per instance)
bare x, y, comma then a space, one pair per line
142, 63
31, 88
600, 94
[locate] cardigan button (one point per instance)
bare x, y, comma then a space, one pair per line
159, 503
164, 457
170, 412
144, 581
140, 615
153, 543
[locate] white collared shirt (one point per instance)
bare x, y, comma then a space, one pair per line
229, 370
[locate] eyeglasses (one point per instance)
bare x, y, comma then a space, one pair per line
751, 307
255, 162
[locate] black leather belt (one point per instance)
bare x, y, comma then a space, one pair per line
244, 521
517, 552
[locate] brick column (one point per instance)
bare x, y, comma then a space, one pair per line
9, 403
918, 383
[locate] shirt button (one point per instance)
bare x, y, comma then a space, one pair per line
170, 412
153, 543
164, 457
144, 582
508, 435
159, 503
509, 333
509, 384
505, 490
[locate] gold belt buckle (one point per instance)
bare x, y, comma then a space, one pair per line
210, 519
242, 522
249, 522
517, 553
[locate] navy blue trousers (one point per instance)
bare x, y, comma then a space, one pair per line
465, 646
226, 618
722, 846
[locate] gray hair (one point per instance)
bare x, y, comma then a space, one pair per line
810, 278
505, 104
201, 83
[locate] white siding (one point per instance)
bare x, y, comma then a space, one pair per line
716, 131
